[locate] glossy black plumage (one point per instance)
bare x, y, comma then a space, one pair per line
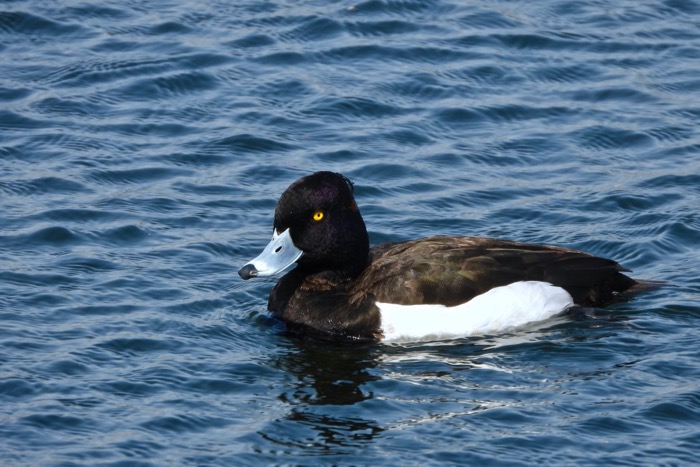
338, 278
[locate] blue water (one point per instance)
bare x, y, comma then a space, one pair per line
143, 146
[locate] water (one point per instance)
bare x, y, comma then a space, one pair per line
142, 150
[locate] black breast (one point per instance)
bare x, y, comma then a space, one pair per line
325, 306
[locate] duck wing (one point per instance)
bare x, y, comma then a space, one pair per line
452, 270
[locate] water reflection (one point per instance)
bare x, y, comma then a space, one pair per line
328, 373
329, 380
342, 396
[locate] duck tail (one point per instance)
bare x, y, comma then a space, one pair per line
643, 286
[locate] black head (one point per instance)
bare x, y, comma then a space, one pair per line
325, 223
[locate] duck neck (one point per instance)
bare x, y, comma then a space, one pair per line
343, 269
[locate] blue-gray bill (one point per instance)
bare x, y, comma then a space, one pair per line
277, 256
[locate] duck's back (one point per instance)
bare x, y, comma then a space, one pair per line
452, 270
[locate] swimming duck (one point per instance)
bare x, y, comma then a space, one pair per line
436, 287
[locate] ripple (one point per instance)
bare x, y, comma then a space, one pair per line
408, 136
282, 58
677, 86
42, 186
384, 28
609, 93
184, 423
169, 27
541, 42
689, 181
398, 7
8, 94
423, 87
55, 235
285, 88
373, 53
86, 265
253, 40
55, 107
458, 116
243, 144
121, 310
13, 121
124, 345
101, 12
77, 216
676, 413
124, 235
196, 306
16, 388
98, 70
19, 22
95, 70
136, 176
314, 28
343, 109
605, 138
140, 448
567, 74
488, 20
59, 423
68, 368
483, 76
181, 84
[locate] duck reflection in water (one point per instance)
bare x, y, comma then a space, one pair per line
331, 379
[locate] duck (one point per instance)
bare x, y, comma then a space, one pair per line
440, 287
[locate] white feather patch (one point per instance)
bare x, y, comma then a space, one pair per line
498, 310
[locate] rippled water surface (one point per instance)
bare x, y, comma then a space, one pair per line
143, 146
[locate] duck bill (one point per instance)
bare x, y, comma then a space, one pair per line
277, 256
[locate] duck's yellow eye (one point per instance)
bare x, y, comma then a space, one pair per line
318, 215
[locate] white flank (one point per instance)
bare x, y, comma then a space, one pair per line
498, 310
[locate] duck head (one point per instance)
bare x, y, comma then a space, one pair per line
318, 226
